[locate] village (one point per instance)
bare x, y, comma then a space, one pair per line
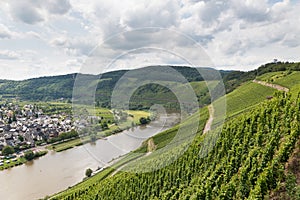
26, 127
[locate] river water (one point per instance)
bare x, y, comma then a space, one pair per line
55, 172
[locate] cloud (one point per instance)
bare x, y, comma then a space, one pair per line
5, 33
234, 33
9, 55
26, 11
74, 46
35, 11
159, 14
251, 10
58, 6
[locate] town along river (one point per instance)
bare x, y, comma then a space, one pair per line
55, 172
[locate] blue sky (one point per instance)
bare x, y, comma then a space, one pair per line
50, 37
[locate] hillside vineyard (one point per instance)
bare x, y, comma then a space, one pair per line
246, 163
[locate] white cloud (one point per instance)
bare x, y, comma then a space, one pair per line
26, 11
5, 33
236, 34
251, 10
9, 55
35, 11
74, 46
58, 6
159, 14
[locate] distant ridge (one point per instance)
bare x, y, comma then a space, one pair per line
60, 87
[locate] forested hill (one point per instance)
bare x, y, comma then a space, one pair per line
57, 87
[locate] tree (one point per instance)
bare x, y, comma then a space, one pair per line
29, 155
88, 172
7, 150
104, 126
14, 119
21, 138
93, 137
144, 120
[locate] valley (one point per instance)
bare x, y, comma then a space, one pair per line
250, 156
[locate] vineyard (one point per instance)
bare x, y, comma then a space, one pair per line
242, 99
287, 79
247, 162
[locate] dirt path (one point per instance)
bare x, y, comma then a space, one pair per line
151, 148
151, 145
277, 87
210, 119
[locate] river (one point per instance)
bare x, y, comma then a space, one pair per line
55, 172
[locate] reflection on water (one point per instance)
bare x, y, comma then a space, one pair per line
57, 171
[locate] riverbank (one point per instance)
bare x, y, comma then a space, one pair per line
67, 168
114, 129
10, 162
59, 147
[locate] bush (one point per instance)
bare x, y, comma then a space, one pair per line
7, 150
144, 120
29, 155
88, 172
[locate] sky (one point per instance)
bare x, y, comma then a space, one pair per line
53, 37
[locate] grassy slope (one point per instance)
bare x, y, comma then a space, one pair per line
247, 95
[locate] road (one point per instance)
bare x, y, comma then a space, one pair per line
275, 86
